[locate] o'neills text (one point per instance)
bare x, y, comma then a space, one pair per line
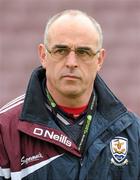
51, 135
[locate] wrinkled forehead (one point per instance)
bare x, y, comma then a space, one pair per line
75, 24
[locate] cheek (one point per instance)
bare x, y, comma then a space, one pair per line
52, 71
90, 71
89, 75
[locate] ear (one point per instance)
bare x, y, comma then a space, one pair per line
42, 55
101, 57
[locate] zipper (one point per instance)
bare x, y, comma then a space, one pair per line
81, 162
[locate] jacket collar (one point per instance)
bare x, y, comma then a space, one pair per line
34, 108
108, 104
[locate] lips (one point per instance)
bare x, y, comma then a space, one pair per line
70, 76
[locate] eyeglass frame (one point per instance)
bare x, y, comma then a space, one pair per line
72, 49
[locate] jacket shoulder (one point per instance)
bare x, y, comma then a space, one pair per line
135, 117
11, 110
135, 127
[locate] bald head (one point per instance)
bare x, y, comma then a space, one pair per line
73, 18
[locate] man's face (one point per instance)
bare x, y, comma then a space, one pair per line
72, 75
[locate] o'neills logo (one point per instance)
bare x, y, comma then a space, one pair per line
51, 135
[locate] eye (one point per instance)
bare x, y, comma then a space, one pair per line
60, 51
83, 52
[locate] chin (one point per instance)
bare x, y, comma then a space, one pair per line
71, 92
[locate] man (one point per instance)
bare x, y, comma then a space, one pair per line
69, 125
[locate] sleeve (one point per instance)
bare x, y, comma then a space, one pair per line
4, 163
138, 128
139, 154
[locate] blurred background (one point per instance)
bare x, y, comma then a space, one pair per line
22, 26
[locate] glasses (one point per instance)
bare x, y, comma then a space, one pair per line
59, 52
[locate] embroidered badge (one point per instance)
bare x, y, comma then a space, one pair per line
119, 149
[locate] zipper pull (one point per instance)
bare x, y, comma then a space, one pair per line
81, 161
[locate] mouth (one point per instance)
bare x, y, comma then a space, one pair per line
70, 76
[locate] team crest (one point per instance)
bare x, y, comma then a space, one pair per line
119, 149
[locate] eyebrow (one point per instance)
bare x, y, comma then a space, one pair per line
84, 47
59, 46
66, 46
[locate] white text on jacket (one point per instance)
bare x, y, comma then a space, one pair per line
51, 135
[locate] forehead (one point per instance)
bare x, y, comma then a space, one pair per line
73, 29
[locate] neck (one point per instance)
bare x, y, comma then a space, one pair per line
69, 100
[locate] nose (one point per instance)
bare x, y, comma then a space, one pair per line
71, 60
